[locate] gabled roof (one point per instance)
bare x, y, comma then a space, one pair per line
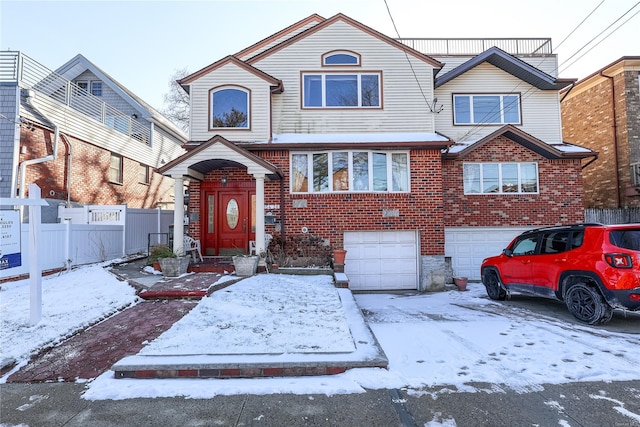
79, 64
280, 36
276, 85
562, 150
341, 17
510, 64
217, 153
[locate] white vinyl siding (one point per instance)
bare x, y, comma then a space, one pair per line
403, 107
230, 74
540, 110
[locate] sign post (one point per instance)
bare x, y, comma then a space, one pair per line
35, 274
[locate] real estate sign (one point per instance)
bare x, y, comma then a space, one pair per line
10, 255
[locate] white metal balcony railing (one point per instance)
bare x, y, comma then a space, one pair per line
525, 46
21, 69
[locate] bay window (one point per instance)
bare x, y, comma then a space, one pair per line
350, 171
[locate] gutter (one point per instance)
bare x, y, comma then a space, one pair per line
56, 136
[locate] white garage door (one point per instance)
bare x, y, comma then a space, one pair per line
381, 260
468, 246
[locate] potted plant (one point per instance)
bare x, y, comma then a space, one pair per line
460, 282
339, 256
170, 263
156, 252
245, 265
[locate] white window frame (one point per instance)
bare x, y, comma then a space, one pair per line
144, 174
471, 118
323, 76
213, 91
354, 55
351, 177
500, 178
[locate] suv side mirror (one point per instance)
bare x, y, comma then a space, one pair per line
507, 252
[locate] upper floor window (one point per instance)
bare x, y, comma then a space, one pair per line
349, 171
348, 90
340, 58
507, 178
229, 107
92, 87
486, 109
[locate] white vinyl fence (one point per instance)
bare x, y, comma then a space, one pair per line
93, 234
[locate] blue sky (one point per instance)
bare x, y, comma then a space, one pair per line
142, 43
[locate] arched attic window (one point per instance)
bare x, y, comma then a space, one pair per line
229, 107
340, 57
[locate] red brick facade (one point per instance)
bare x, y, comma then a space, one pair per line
90, 173
330, 215
602, 113
559, 200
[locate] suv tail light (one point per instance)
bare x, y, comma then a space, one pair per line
619, 260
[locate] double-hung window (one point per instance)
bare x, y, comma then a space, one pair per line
505, 178
229, 107
115, 168
350, 171
486, 109
341, 90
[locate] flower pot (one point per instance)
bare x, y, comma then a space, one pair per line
461, 283
174, 267
339, 255
245, 265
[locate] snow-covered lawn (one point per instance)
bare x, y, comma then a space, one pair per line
449, 339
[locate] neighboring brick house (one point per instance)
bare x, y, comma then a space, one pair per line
602, 112
402, 158
81, 137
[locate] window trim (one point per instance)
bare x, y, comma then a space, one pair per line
210, 101
350, 170
500, 181
120, 170
472, 95
326, 55
324, 74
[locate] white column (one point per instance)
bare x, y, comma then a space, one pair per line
259, 212
35, 273
178, 214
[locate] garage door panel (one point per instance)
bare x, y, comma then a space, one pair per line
468, 246
381, 260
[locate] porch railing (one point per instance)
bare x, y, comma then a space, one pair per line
525, 46
18, 68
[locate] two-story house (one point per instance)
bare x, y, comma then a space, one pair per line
602, 112
81, 136
402, 158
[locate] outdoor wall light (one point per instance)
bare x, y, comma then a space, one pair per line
224, 180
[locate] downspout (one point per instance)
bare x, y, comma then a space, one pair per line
615, 136
69, 161
26, 163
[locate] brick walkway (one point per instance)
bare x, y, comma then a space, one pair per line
93, 351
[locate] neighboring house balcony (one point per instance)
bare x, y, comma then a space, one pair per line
18, 68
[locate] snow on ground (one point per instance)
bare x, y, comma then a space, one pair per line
449, 339
70, 302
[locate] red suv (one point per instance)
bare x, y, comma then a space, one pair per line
593, 268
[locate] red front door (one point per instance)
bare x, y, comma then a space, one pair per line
227, 219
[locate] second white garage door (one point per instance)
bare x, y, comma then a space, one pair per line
468, 246
381, 260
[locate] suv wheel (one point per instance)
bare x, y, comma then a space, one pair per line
587, 305
494, 288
